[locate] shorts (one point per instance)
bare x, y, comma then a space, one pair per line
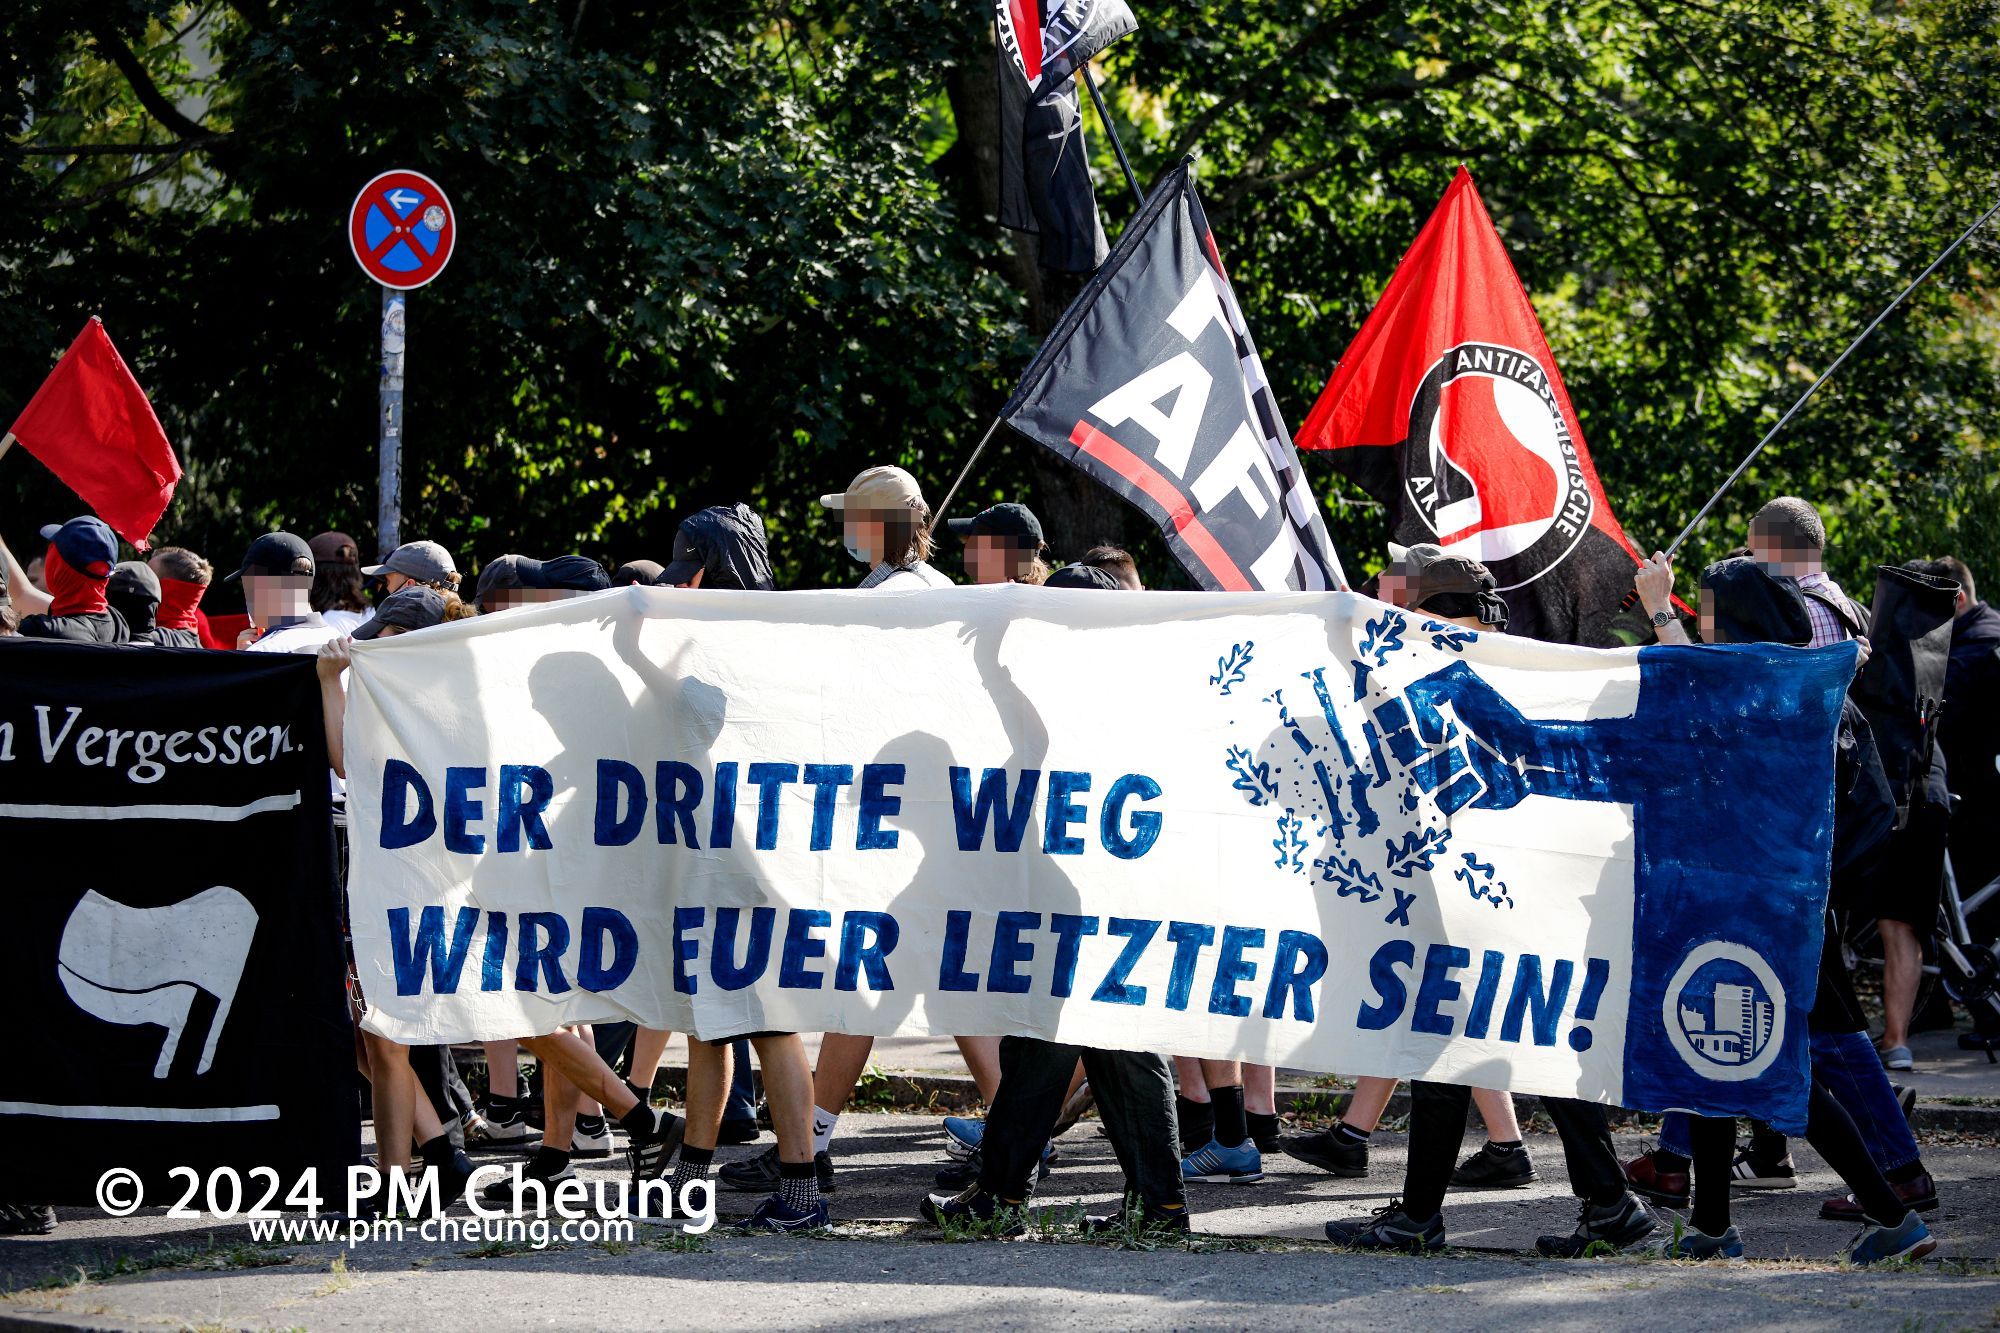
1905, 880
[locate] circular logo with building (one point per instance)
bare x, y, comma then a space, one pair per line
1725, 1012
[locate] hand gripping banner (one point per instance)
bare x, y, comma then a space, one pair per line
1304, 829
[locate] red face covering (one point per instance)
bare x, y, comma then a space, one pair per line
74, 593
178, 600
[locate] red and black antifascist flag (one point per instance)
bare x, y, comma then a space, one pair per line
1449, 409
1151, 384
1044, 166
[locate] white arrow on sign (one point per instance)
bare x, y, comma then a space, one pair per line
403, 200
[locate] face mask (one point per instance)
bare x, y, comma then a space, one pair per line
858, 554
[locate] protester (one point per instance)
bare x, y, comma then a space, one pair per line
77, 565
1083, 576
1464, 593
885, 524
184, 579
336, 588
509, 581
277, 579
1969, 736
36, 573
642, 572
1118, 563
133, 591
1003, 544
1745, 601
417, 562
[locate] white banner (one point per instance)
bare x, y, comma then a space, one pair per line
1301, 829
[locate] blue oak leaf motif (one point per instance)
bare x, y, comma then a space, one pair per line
1383, 636
1349, 878
1448, 638
1417, 851
1230, 667
1483, 882
1290, 842
1253, 776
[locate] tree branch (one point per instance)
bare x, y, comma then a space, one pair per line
114, 49
173, 153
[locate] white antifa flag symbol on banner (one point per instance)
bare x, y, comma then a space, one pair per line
1309, 830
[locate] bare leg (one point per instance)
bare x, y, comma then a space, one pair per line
1370, 1099
1260, 1089
1497, 1110
788, 1089
841, 1059
578, 1064
982, 1059
558, 1109
586, 1105
708, 1089
503, 1069
1221, 1074
649, 1048
1187, 1072
396, 1094
1902, 968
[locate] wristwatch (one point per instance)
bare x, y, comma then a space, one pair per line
1663, 618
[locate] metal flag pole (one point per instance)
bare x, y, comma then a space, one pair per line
1751, 457
937, 515
1117, 146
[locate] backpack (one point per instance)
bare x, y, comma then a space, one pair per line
1902, 687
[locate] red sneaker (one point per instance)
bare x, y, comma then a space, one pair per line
1643, 1174
1918, 1195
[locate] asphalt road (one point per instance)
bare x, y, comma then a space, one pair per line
1257, 1260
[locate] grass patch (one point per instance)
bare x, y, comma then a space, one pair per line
338, 1279
677, 1241
209, 1258
507, 1249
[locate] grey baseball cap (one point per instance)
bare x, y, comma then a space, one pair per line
426, 562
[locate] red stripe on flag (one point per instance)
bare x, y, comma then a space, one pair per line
1167, 496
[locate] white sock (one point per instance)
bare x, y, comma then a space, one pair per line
823, 1123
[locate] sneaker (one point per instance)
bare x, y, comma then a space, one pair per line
649, 1155
1264, 1131
1217, 1165
1747, 1173
592, 1137
26, 1219
1389, 1228
962, 1135
1073, 1110
960, 1174
773, 1215
1619, 1225
735, 1133
1897, 1058
1647, 1179
1909, 1239
546, 1165
759, 1174
1918, 1195
503, 1123
1196, 1121
1329, 1150
973, 1206
1152, 1219
1692, 1244
1494, 1168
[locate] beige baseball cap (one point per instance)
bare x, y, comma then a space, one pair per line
878, 488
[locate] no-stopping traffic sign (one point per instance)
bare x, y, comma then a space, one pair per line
401, 229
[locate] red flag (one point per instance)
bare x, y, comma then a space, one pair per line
91, 424
1448, 408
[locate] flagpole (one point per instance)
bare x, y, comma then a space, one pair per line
1117, 146
1751, 457
937, 515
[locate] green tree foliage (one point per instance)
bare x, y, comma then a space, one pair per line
712, 251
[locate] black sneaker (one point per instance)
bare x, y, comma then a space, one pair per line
1389, 1228
974, 1206
1329, 1150
752, 1175
503, 1123
453, 1167
1494, 1168
547, 1165
1750, 1172
1264, 1131
823, 1169
649, 1155
1152, 1219
1618, 1225
26, 1219
1197, 1123
735, 1133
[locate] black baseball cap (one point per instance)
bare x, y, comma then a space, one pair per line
134, 579
569, 573
1014, 521
1081, 576
413, 606
276, 553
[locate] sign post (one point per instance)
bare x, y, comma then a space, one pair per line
402, 230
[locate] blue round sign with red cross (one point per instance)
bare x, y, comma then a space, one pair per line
402, 229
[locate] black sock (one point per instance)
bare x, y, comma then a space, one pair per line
640, 1095
638, 1122
547, 1161
1903, 1175
1346, 1131
590, 1125
1231, 1128
798, 1185
1263, 1128
1197, 1122
1714, 1156
1496, 1148
437, 1152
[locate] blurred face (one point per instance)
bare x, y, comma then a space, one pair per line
863, 532
391, 580
35, 568
1393, 587
996, 559
1778, 556
273, 598
1706, 619
694, 582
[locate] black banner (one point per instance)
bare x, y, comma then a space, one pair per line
1151, 384
174, 923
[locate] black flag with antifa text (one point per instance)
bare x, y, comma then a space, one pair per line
173, 924
1045, 183
1151, 384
